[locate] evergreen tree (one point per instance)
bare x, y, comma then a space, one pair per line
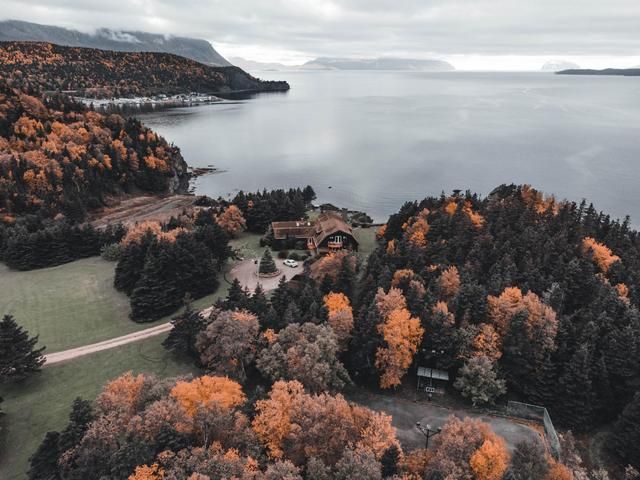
346, 278
281, 297
625, 437
237, 297
575, 390
259, 304
80, 417
156, 293
390, 460
43, 464
267, 265
182, 337
18, 356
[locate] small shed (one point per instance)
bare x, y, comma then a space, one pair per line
430, 378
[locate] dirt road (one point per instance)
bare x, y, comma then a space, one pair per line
107, 344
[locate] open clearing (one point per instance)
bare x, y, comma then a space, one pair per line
43, 403
73, 304
140, 208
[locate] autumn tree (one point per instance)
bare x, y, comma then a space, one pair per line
402, 334
461, 440
339, 316
207, 404
359, 464
490, 461
528, 461
206, 391
298, 426
232, 221
601, 255
306, 353
479, 382
449, 282
19, 357
229, 343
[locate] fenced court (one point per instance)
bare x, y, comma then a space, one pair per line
538, 414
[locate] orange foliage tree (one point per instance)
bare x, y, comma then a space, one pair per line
207, 391
449, 282
601, 255
542, 324
339, 316
402, 334
145, 472
232, 221
417, 228
491, 460
297, 426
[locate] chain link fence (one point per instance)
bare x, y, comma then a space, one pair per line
538, 414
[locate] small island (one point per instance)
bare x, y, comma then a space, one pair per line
625, 72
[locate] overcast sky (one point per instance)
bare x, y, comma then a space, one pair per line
472, 34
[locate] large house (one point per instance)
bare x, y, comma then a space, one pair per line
328, 233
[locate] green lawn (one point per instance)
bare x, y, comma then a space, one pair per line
247, 245
73, 304
367, 242
43, 403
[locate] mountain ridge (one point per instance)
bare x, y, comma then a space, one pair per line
116, 40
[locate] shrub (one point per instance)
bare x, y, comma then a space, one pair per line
282, 254
294, 256
111, 252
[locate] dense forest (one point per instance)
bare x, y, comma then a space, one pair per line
58, 157
104, 74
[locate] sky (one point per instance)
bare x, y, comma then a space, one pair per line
471, 34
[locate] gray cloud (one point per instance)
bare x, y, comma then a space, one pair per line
418, 28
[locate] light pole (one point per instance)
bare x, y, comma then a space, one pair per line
428, 432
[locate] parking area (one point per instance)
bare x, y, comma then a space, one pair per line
406, 413
246, 272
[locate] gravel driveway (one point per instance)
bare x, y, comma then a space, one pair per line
246, 272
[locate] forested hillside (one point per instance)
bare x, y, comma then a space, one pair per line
105, 74
57, 156
545, 292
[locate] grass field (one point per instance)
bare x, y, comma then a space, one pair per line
367, 243
73, 304
43, 403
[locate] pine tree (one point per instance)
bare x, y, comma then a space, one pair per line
156, 293
390, 460
626, 433
281, 297
267, 265
237, 297
259, 304
346, 278
43, 464
576, 392
79, 419
182, 337
18, 356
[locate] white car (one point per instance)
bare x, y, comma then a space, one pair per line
290, 263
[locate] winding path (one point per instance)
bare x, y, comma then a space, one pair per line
72, 353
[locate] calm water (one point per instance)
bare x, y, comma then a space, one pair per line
381, 138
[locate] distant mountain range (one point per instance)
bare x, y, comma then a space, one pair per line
625, 72
120, 41
327, 63
557, 65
